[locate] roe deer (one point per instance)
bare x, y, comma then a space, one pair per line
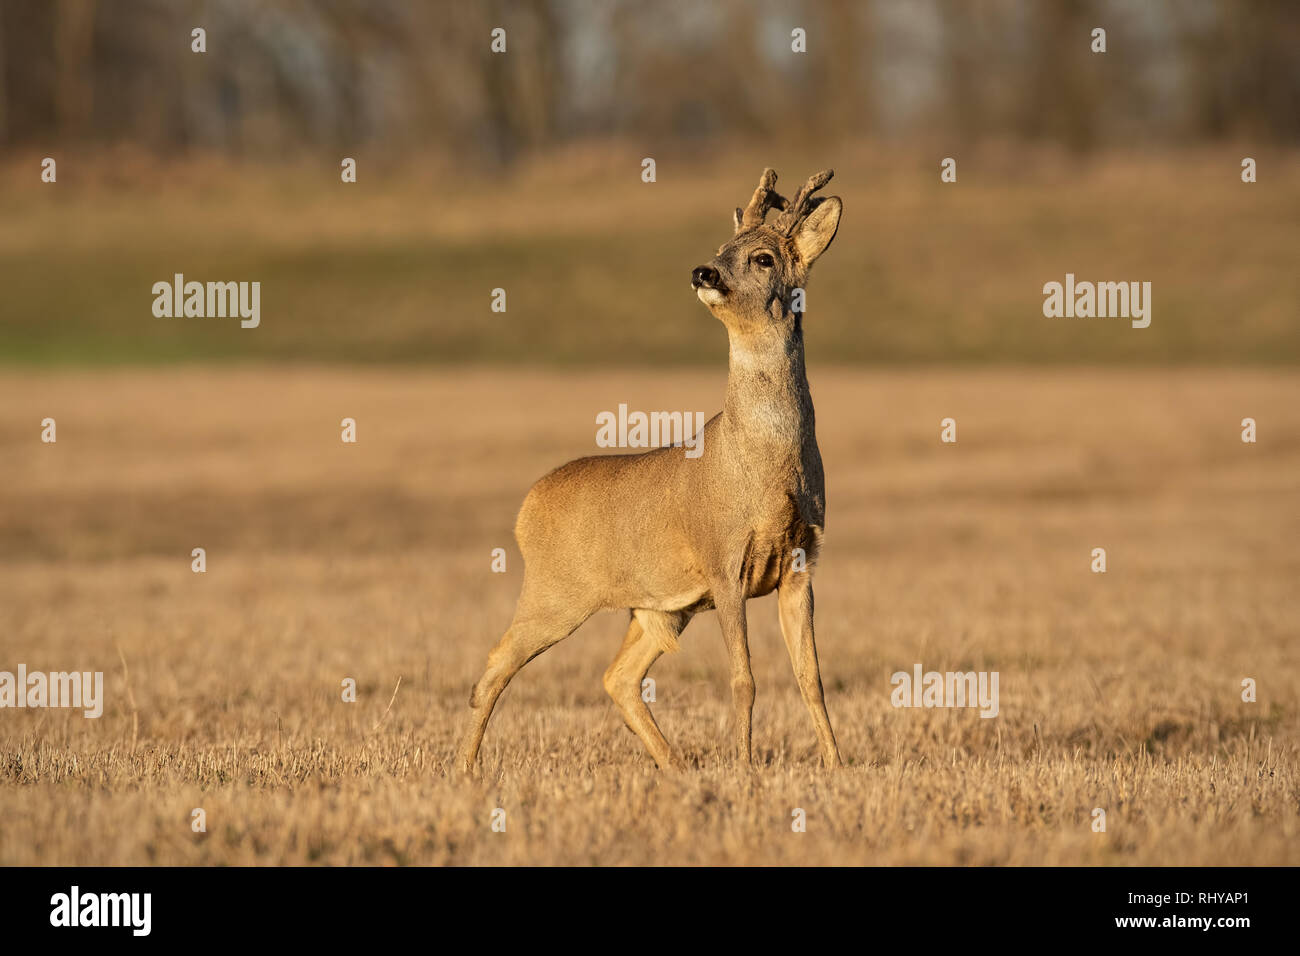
669, 536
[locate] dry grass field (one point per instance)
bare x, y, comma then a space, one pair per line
372, 561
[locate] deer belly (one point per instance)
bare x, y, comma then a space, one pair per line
762, 568
674, 601
656, 582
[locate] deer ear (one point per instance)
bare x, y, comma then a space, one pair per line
818, 229
737, 218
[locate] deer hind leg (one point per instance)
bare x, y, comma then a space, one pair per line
795, 604
538, 624
648, 635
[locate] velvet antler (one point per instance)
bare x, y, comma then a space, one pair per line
803, 203
765, 197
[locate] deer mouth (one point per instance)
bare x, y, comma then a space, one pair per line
707, 277
708, 285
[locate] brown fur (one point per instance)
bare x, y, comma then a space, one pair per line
669, 536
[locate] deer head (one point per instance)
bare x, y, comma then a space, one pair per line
748, 285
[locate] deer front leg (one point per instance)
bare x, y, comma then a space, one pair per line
795, 604
731, 616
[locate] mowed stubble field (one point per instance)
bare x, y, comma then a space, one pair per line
372, 561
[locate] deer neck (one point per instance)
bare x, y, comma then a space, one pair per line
768, 402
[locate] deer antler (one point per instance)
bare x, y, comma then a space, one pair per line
803, 203
765, 197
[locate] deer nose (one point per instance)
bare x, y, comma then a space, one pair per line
706, 276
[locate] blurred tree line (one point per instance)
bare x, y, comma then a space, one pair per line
280, 75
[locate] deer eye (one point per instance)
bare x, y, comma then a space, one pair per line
764, 260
